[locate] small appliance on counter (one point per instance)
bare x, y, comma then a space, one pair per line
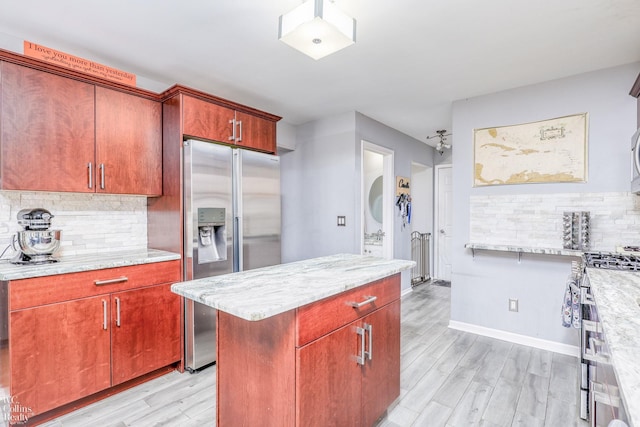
36, 243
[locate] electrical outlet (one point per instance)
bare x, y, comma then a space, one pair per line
513, 304
342, 221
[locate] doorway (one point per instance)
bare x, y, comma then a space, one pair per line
443, 222
377, 200
421, 221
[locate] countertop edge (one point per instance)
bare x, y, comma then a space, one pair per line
523, 249
89, 262
263, 311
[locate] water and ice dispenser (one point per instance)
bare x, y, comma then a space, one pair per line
212, 235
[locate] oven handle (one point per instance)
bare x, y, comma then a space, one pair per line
636, 154
585, 296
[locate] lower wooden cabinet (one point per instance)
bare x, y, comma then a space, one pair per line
145, 331
335, 362
351, 376
59, 353
74, 335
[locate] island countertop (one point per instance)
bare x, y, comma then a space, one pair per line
264, 292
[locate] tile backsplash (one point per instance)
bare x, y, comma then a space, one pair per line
90, 223
535, 220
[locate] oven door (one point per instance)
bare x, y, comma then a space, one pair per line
635, 162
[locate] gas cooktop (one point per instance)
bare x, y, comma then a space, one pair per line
612, 260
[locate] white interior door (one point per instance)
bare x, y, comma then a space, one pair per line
444, 221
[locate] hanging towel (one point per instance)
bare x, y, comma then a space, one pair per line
571, 315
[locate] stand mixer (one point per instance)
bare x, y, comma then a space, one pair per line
36, 243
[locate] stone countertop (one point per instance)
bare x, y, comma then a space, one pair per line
524, 249
617, 297
264, 292
74, 264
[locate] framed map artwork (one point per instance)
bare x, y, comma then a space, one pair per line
553, 150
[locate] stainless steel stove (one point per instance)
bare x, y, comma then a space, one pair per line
613, 260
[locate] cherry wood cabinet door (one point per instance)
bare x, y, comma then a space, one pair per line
47, 131
328, 386
145, 326
257, 133
203, 119
128, 144
59, 353
381, 372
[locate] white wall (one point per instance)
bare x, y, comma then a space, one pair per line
320, 180
481, 286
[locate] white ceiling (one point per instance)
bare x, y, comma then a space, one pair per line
411, 60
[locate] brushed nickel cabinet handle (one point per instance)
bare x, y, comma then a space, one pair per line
240, 127
369, 329
232, 122
361, 358
90, 167
102, 176
104, 315
110, 281
369, 300
117, 311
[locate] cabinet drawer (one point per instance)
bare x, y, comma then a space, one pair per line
64, 287
321, 317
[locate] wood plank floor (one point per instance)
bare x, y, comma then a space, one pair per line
449, 378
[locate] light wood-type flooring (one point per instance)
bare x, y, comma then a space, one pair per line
448, 378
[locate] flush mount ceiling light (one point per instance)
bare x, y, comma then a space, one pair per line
317, 28
442, 144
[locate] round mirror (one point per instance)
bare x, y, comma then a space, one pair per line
375, 199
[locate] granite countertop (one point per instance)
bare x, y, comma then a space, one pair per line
617, 297
264, 292
74, 264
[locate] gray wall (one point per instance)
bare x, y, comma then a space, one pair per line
321, 180
481, 286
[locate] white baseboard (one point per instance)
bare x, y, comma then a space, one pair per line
406, 291
556, 347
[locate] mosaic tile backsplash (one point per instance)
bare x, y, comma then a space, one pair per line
90, 223
535, 220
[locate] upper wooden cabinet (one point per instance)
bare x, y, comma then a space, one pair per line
128, 144
47, 131
61, 134
208, 120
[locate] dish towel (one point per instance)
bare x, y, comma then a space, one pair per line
571, 315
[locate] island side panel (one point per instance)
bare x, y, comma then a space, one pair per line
255, 371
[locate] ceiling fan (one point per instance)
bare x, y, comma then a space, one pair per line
442, 144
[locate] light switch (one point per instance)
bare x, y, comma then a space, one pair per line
513, 304
342, 221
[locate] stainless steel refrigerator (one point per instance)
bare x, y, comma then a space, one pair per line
231, 223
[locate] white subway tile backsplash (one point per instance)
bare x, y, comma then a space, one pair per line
90, 223
536, 220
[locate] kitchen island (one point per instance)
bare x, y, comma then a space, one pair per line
313, 342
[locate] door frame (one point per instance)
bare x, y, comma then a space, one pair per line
388, 202
436, 218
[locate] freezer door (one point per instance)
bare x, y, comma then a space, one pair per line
257, 199
208, 190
